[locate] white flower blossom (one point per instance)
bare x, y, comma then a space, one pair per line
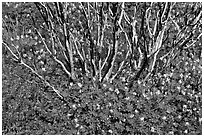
43, 69
79, 84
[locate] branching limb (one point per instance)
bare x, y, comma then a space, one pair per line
20, 61
54, 57
42, 79
92, 45
127, 54
116, 32
158, 44
147, 21
121, 66
193, 41
68, 45
16, 58
108, 54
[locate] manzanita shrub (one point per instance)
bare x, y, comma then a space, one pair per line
102, 69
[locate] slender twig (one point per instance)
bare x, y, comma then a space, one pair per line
33, 71
109, 51
39, 76
193, 41
16, 57
54, 57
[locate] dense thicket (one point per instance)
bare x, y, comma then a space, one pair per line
115, 68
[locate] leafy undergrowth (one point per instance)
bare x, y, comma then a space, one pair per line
169, 104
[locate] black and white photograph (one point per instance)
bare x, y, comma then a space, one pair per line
101, 68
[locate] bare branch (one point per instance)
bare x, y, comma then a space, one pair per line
193, 41
54, 57
126, 18
16, 57
196, 18
76, 47
165, 8
33, 71
147, 21
155, 26
108, 54
68, 47
126, 37
177, 26
121, 66
115, 45
92, 45
101, 31
156, 49
42, 79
